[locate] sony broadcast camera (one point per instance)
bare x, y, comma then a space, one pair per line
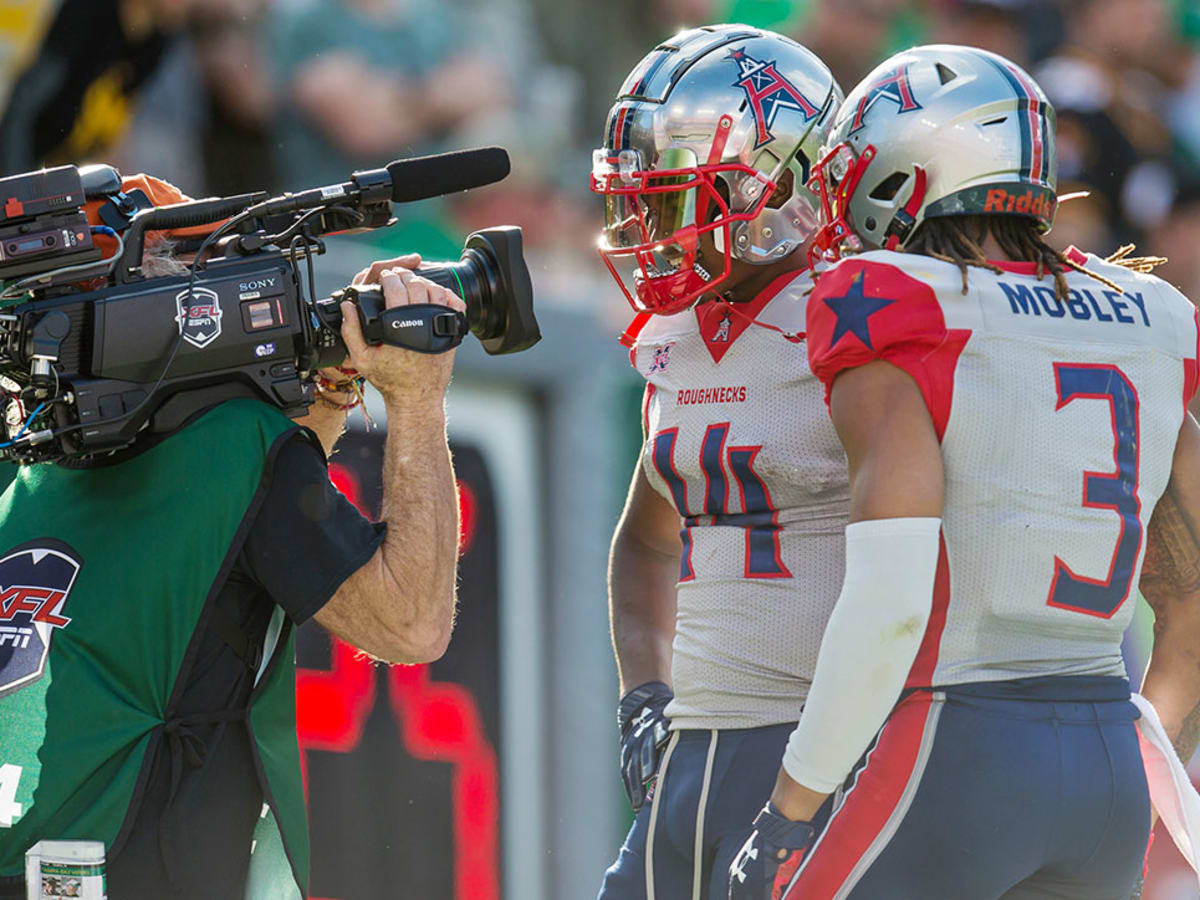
93, 351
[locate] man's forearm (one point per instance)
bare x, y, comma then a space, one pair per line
399, 605
420, 506
1172, 683
867, 650
1170, 582
642, 604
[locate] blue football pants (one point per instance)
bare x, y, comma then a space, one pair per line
981, 793
710, 787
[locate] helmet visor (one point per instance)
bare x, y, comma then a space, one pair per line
654, 220
644, 206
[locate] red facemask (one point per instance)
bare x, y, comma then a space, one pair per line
655, 220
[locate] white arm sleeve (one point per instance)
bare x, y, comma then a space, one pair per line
869, 646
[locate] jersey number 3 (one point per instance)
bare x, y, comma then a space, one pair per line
1105, 490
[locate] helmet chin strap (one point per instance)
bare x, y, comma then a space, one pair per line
902, 222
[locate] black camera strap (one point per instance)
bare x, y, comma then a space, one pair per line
423, 327
118, 211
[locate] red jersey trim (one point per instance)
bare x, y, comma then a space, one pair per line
1191, 368
647, 396
1075, 255
629, 337
710, 317
894, 766
924, 666
1016, 268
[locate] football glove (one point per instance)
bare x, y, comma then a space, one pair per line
643, 735
768, 861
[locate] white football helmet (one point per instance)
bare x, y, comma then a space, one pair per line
703, 133
935, 131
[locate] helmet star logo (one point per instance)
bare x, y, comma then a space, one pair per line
767, 92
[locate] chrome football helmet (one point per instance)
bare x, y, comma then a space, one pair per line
702, 138
935, 131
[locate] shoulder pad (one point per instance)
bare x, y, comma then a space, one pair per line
866, 308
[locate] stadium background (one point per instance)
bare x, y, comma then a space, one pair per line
492, 773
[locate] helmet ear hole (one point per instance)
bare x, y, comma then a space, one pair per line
721, 186
889, 187
783, 190
805, 166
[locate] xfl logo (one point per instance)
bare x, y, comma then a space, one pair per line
767, 92
662, 357
35, 583
198, 315
893, 86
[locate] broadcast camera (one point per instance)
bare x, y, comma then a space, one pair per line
93, 351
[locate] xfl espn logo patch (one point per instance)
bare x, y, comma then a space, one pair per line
35, 583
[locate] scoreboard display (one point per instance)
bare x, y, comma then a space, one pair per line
402, 763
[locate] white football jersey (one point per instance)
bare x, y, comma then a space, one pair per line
738, 439
1058, 423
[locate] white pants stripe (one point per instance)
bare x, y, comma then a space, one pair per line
662, 778
698, 855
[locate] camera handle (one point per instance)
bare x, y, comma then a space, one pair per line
422, 327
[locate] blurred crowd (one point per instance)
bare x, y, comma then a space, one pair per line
224, 96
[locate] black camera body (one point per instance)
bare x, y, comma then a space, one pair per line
241, 326
85, 371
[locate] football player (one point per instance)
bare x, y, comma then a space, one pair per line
1011, 416
728, 557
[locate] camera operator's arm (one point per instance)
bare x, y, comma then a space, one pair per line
400, 605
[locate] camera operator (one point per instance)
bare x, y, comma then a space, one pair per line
195, 554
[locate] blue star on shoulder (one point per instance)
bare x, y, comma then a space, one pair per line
853, 310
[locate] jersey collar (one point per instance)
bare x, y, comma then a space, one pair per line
1072, 253
720, 327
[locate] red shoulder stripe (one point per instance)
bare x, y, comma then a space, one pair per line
630, 335
1191, 368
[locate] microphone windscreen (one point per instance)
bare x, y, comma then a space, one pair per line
446, 173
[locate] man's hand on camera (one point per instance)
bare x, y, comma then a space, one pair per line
370, 275
402, 376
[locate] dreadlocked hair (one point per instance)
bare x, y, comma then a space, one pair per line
1143, 264
958, 240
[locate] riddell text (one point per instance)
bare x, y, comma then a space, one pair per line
711, 395
1001, 201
